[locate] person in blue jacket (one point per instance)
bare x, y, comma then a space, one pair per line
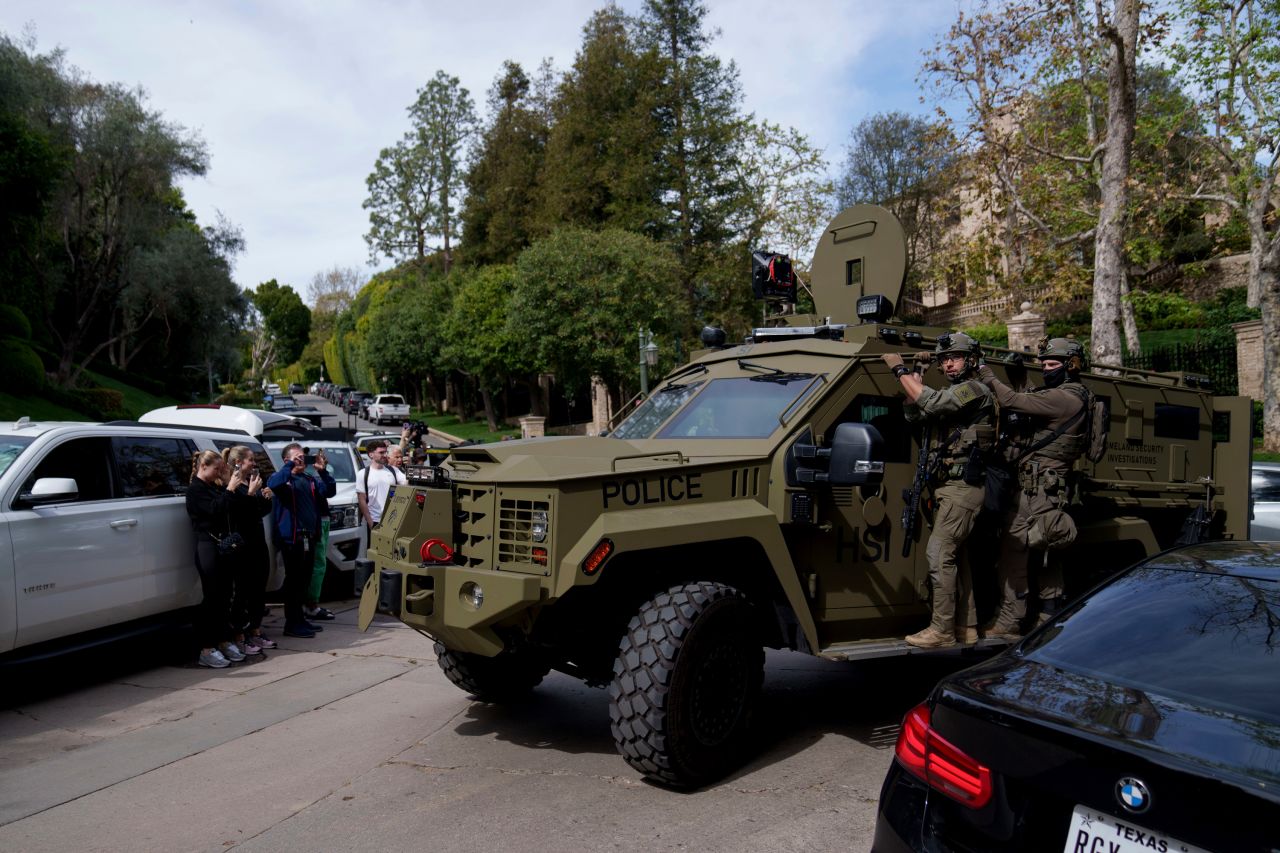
295, 510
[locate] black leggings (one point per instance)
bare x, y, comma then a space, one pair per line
213, 619
250, 578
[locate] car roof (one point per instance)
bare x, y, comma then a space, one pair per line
1235, 558
252, 421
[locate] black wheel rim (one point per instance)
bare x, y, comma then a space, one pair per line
719, 693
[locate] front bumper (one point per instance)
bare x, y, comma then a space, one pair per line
441, 601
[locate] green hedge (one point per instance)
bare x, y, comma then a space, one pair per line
14, 323
21, 370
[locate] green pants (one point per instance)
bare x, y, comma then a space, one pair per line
321, 562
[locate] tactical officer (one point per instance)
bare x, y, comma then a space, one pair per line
962, 416
1042, 455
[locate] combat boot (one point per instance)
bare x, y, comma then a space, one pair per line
997, 630
932, 638
966, 635
1049, 610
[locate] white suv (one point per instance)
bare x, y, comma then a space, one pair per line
95, 541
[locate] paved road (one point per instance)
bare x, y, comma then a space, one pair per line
356, 741
354, 421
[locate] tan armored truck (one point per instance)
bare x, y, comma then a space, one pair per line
754, 499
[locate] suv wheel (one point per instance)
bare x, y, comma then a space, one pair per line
504, 678
685, 684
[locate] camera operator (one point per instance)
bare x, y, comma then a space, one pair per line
296, 511
375, 482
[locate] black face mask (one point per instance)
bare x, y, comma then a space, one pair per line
1054, 378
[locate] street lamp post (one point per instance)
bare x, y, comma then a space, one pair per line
648, 358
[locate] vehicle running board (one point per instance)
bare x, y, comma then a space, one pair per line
870, 649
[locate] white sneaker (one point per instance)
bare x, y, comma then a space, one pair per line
232, 652
214, 659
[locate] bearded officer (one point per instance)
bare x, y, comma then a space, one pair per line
1043, 456
962, 415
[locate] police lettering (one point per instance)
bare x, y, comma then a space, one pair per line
674, 487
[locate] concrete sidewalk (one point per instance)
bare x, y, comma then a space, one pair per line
357, 740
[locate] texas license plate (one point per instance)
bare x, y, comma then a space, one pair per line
1094, 832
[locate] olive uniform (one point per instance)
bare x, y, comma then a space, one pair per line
962, 417
1058, 420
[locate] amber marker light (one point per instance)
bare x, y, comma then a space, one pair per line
596, 558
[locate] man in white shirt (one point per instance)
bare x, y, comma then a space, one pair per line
374, 483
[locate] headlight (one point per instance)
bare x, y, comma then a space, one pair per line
538, 525
472, 595
342, 516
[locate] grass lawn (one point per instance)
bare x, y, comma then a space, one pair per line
136, 401
36, 408
476, 430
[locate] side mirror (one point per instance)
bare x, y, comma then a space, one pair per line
857, 456
50, 490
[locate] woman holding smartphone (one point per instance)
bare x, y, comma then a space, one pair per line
251, 567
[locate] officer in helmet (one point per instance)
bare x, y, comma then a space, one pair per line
962, 416
1042, 456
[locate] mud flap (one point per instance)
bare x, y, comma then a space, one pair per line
368, 602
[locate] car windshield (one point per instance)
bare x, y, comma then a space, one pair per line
11, 447
1200, 637
340, 464
654, 411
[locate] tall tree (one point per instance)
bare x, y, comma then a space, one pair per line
502, 181
1232, 54
580, 296
900, 162
604, 148
284, 317
444, 120
401, 202
698, 103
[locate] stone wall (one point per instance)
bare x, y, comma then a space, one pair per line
1249, 358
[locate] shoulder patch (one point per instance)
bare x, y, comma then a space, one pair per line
964, 393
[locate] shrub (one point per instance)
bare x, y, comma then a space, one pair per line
102, 403
14, 323
1165, 311
995, 334
21, 370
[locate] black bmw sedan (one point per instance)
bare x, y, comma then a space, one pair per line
1145, 717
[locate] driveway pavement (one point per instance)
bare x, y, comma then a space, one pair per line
355, 741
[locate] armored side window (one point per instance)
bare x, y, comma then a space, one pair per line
1182, 422
885, 414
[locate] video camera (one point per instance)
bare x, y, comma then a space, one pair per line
417, 429
772, 276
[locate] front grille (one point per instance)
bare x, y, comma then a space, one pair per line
515, 538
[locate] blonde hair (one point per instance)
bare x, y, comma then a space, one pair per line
203, 457
232, 455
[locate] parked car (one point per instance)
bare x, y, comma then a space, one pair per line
1265, 492
336, 393
271, 390
297, 388
255, 422
346, 532
97, 542
351, 402
388, 408
283, 403
1146, 716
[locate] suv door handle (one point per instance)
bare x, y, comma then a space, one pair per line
123, 523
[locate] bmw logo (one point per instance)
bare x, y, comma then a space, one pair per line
1133, 795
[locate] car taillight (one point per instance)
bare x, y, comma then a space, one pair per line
944, 766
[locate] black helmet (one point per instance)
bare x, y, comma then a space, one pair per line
1067, 350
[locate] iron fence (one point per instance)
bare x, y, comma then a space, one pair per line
1215, 360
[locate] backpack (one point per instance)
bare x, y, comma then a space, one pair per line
1097, 416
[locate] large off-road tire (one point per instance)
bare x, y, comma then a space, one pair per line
685, 684
504, 678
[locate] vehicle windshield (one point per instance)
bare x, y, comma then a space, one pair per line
11, 447
741, 407
340, 464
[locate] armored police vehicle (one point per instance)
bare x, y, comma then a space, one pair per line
754, 499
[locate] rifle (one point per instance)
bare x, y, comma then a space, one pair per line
911, 512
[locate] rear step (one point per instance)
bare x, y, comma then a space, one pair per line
869, 649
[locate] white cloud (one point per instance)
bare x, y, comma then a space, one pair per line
295, 100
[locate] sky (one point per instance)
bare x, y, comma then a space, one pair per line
295, 100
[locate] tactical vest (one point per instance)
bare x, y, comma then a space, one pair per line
960, 434
1069, 446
